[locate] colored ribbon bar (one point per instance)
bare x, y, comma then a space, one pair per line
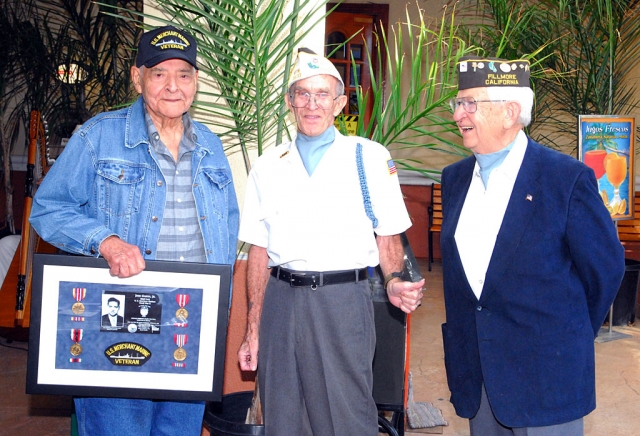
79, 293
180, 340
182, 299
77, 318
76, 335
179, 365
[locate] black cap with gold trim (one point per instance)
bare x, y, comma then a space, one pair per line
165, 43
481, 72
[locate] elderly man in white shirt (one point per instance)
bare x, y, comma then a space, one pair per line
318, 212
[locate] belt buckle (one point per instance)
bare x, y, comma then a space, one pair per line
292, 281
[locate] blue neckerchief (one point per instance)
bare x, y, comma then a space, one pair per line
312, 148
491, 161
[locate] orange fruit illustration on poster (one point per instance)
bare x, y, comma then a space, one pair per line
615, 166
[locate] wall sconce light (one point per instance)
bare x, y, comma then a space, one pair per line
72, 73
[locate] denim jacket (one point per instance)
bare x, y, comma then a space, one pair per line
108, 182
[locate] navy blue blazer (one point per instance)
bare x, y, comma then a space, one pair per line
554, 272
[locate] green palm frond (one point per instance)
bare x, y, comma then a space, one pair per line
55, 34
414, 112
42, 37
585, 51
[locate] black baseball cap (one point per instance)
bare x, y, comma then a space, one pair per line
165, 43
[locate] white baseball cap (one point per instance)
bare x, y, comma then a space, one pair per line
309, 64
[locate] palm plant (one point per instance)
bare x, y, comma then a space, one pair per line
596, 57
79, 36
45, 37
586, 51
11, 86
414, 112
24, 75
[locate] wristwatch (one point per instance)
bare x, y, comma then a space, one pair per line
390, 277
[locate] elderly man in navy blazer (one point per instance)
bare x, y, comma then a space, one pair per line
531, 264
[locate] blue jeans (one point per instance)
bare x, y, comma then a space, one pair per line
125, 417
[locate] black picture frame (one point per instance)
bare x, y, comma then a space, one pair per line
71, 352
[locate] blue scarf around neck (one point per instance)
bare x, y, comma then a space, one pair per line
312, 148
489, 162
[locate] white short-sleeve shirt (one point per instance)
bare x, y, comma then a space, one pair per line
319, 222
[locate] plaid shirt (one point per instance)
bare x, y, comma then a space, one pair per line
180, 237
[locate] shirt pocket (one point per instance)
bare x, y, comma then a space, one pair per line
219, 181
120, 187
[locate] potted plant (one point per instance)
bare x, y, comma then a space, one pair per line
68, 60
586, 55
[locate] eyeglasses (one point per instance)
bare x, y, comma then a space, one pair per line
300, 99
469, 104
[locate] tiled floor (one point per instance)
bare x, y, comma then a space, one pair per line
618, 380
22, 414
617, 371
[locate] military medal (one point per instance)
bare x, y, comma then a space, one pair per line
78, 294
76, 337
182, 300
180, 354
182, 314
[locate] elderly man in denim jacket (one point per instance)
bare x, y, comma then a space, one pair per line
145, 182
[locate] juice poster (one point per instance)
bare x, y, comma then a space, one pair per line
606, 145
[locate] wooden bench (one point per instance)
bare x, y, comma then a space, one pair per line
435, 217
629, 230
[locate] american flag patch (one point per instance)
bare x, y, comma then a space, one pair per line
392, 167
179, 365
75, 360
77, 318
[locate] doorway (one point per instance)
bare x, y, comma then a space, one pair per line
341, 24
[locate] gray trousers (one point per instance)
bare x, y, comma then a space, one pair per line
315, 355
486, 424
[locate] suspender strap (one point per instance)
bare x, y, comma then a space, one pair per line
363, 186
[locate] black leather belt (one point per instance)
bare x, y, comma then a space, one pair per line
315, 279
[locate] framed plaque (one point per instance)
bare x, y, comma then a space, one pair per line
158, 335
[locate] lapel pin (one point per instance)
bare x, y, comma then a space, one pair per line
529, 197
284, 154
